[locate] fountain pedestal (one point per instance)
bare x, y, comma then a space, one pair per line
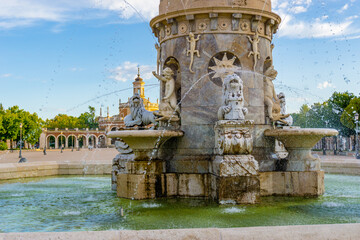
302, 175
138, 171
235, 173
299, 142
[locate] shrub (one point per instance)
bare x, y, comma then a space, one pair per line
3, 146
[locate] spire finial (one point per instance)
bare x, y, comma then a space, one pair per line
138, 70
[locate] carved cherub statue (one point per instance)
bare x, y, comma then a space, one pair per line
281, 117
255, 48
168, 104
275, 104
269, 90
233, 99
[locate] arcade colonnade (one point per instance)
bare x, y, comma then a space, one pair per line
69, 138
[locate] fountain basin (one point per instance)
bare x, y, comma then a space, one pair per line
299, 143
145, 143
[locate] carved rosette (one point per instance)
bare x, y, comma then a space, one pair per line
233, 137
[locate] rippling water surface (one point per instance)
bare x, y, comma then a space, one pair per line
87, 203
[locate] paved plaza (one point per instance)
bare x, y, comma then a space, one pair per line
97, 155
105, 155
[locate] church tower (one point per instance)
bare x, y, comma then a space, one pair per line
138, 85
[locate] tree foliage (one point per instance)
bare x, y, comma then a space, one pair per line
333, 113
11, 119
348, 116
85, 120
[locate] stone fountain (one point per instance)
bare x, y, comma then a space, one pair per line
219, 115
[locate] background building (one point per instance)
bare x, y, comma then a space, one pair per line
83, 138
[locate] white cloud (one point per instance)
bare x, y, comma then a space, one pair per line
130, 8
344, 8
18, 13
317, 29
352, 17
325, 85
128, 72
295, 6
76, 69
295, 25
6, 75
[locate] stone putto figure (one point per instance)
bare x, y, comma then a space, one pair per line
138, 116
255, 48
275, 104
283, 119
192, 49
269, 90
168, 105
233, 99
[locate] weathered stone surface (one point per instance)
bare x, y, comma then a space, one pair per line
134, 186
189, 164
145, 167
234, 165
304, 232
239, 190
186, 185
292, 183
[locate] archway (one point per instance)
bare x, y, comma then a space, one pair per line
71, 141
102, 141
82, 141
92, 141
50, 141
61, 141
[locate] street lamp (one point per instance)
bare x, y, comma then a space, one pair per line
357, 131
20, 139
22, 160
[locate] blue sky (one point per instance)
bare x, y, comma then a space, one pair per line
61, 56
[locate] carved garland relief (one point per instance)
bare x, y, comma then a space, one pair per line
234, 142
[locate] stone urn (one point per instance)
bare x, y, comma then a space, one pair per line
299, 142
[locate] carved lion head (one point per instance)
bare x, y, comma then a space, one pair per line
233, 82
136, 101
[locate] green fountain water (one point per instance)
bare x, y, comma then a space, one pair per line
87, 203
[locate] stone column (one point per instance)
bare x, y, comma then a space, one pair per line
76, 142
42, 140
57, 142
67, 142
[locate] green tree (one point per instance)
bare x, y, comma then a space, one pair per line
300, 119
88, 119
348, 116
11, 123
327, 114
32, 127
2, 129
63, 121
11, 119
338, 102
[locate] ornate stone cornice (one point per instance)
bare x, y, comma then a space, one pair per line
223, 20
